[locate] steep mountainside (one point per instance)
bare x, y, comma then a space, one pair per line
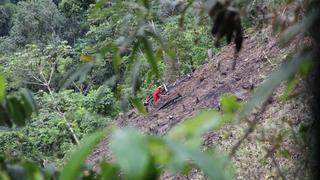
201, 89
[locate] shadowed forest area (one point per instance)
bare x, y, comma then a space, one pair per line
159, 89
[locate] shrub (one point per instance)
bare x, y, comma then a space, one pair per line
191, 44
102, 101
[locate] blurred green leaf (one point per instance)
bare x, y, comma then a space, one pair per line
158, 55
150, 56
5, 119
2, 87
134, 52
109, 171
116, 61
215, 165
86, 58
16, 172
4, 176
109, 83
139, 105
306, 68
229, 104
28, 101
32, 171
78, 157
135, 77
51, 171
164, 45
291, 84
133, 161
191, 130
158, 148
16, 111
79, 74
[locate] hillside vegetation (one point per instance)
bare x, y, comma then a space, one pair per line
239, 86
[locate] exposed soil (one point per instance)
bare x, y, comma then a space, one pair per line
201, 89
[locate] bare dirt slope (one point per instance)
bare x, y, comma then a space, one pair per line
259, 56
203, 88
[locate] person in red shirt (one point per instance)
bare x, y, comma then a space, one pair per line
156, 94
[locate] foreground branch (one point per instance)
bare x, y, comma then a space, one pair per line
251, 127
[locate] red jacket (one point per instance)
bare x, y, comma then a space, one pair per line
156, 95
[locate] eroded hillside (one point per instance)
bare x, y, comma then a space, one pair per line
256, 157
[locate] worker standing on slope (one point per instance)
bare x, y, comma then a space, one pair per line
156, 94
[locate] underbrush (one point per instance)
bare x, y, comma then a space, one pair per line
47, 136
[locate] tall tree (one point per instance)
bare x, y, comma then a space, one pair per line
36, 22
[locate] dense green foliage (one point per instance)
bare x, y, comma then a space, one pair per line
43, 43
191, 44
85, 61
46, 136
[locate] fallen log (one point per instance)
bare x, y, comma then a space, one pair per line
170, 102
